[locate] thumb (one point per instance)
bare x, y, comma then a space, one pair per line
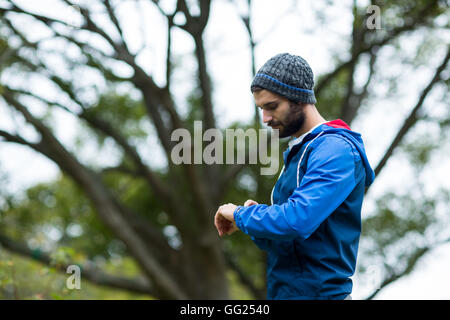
249, 203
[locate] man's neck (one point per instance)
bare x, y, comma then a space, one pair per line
312, 119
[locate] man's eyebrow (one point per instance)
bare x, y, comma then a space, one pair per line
269, 104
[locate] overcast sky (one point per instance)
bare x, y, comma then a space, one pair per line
282, 28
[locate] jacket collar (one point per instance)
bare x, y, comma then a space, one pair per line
298, 140
294, 143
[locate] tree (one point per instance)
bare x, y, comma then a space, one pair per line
189, 261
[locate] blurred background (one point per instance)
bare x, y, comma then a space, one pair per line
90, 92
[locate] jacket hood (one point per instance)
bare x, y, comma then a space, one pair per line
340, 127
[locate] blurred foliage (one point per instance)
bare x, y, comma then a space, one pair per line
404, 226
121, 112
57, 218
331, 99
22, 278
49, 214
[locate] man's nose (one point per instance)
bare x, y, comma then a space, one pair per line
267, 116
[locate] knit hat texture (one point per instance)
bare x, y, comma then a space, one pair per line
287, 75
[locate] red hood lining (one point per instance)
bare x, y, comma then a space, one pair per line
338, 123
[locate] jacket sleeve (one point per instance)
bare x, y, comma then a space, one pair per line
262, 243
329, 179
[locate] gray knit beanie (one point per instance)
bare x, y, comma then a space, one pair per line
287, 75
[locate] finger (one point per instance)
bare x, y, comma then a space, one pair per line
220, 228
250, 202
219, 217
232, 229
224, 230
216, 220
219, 221
225, 227
222, 225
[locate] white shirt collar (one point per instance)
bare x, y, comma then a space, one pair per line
298, 140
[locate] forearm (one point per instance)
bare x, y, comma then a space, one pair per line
264, 222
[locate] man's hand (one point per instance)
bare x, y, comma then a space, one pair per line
249, 203
224, 219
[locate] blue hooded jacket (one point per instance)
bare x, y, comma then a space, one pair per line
311, 231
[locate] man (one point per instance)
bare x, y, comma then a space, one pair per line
311, 231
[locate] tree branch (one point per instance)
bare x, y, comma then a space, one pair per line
90, 25
122, 169
142, 226
141, 79
151, 235
353, 100
395, 276
258, 293
247, 20
195, 26
92, 274
115, 21
15, 139
154, 97
233, 171
412, 262
394, 33
357, 34
107, 207
413, 116
169, 52
155, 183
160, 188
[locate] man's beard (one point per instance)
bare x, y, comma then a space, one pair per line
293, 121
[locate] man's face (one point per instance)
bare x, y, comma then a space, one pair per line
279, 113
